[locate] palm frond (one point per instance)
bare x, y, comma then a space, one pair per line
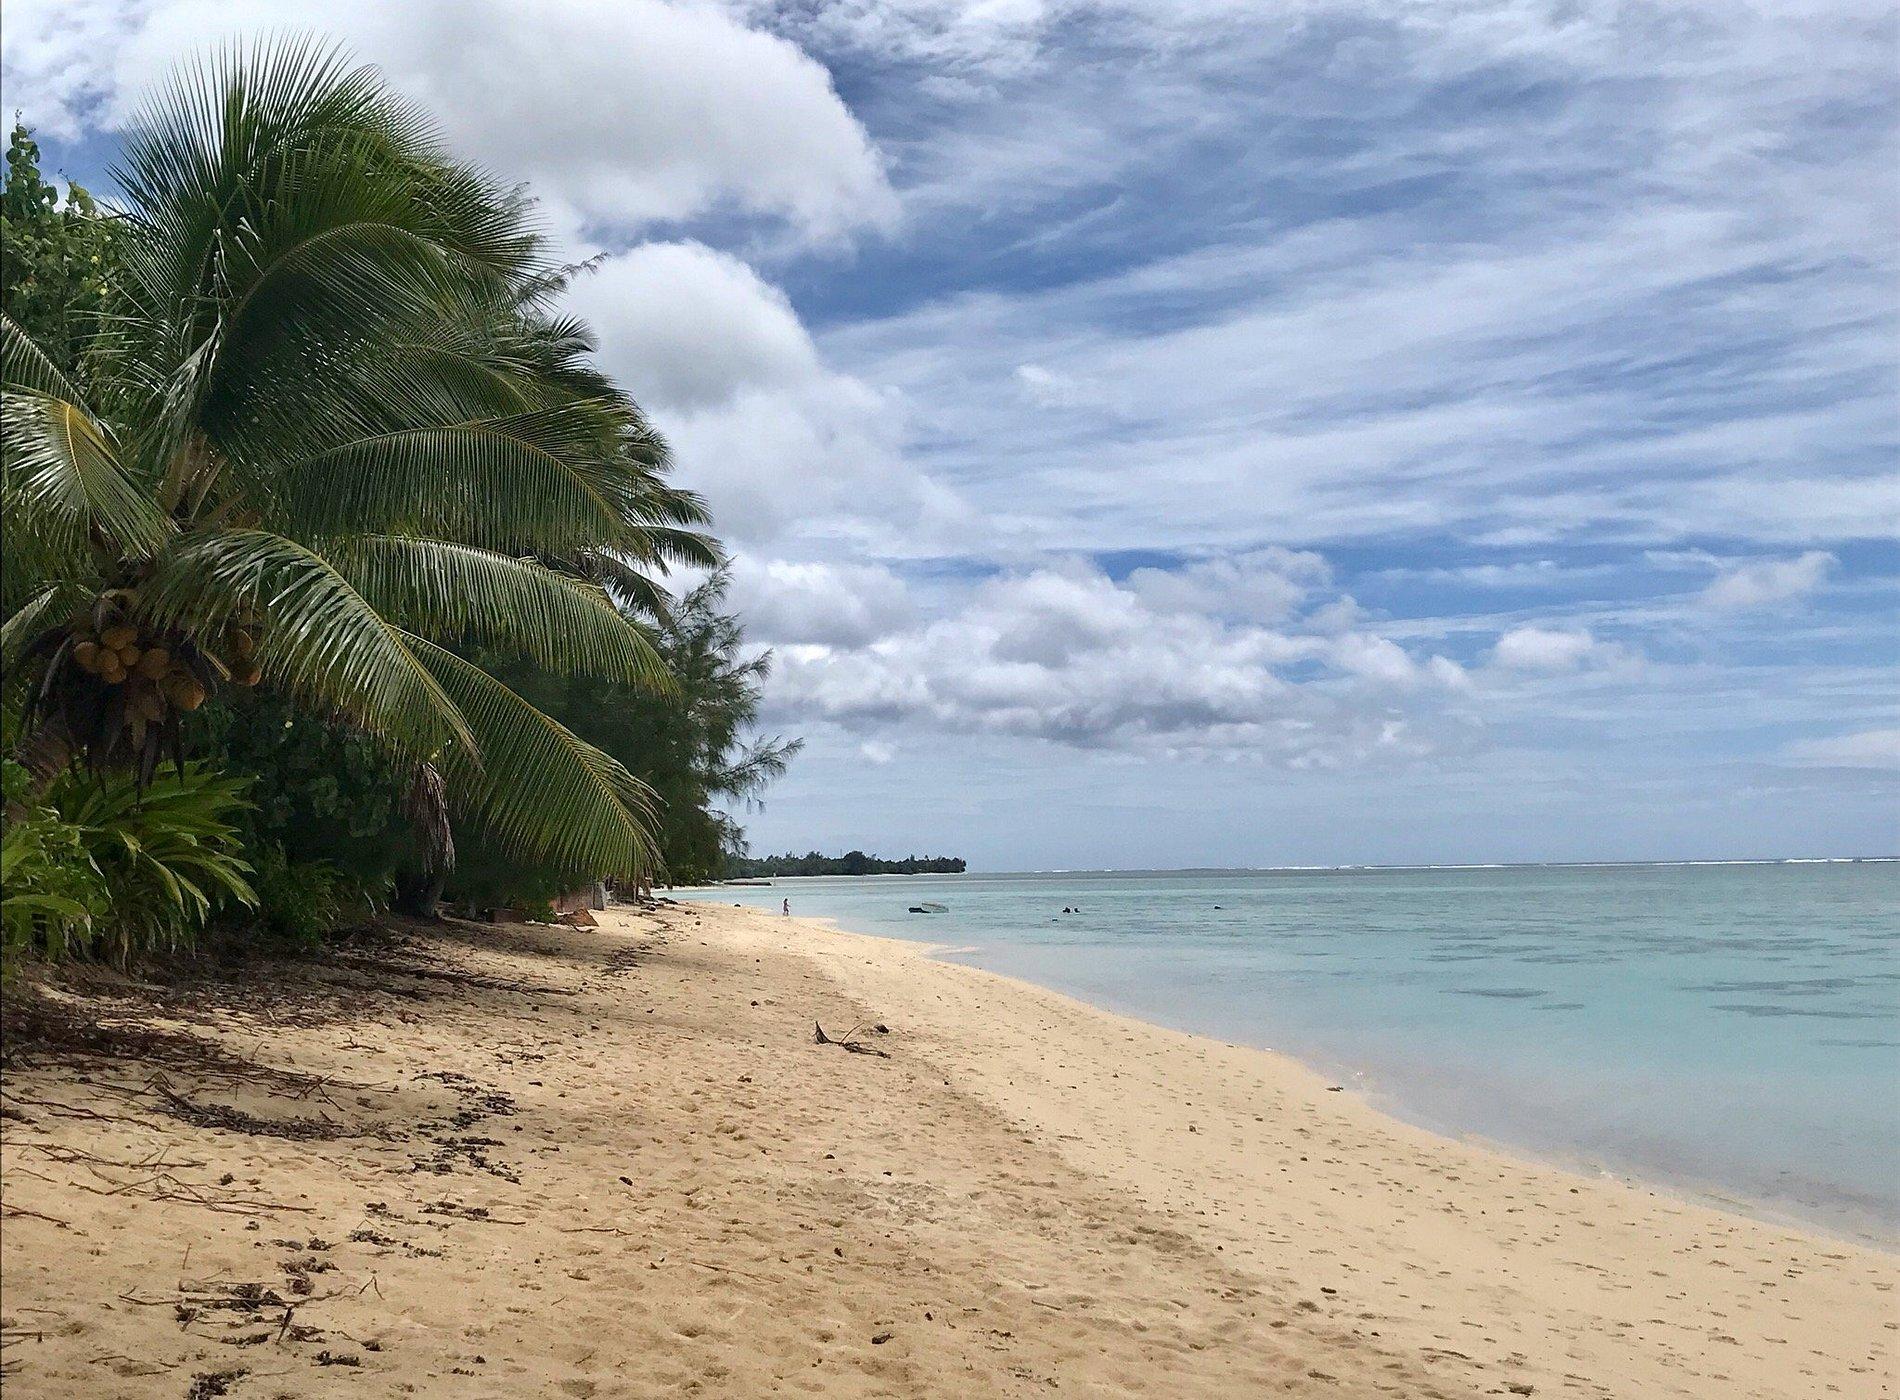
539, 787
23, 365
452, 592
319, 639
33, 616
674, 547
63, 475
531, 482
631, 589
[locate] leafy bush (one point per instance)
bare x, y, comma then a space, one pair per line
486, 876
303, 901
322, 793
167, 855
51, 894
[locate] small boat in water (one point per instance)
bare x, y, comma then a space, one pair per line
928, 908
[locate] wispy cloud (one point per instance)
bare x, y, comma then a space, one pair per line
1871, 748
1769, 581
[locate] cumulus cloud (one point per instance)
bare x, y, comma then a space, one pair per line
690, 328
624, 113
1065, 653
841, 605
1261, 584
779, 442
1545, 649
1870, 748
1764, 582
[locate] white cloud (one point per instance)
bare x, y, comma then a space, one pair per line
1760, 583
623, 113
1375, 382
1064, 653
1048, 388
1261, 585
842, 605
690, 328
1697, 322
1545, 649
1384, 661
780, 443
1870, 748
56, 59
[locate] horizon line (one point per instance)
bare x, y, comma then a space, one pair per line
1352, 867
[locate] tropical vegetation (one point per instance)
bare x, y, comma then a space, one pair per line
738, 866
327, 541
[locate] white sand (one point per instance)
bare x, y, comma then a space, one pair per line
1027, 1195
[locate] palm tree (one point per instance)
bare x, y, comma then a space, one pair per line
341, 434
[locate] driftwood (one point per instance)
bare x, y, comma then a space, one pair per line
848, 1042
236, 1120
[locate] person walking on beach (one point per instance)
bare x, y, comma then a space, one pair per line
785, 908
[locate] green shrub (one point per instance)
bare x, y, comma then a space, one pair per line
168, 855
51, 894
304, 901
321, 792
488, 877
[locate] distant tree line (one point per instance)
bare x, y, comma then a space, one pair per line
850, 863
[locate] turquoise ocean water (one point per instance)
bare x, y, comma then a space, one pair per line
1730, 1030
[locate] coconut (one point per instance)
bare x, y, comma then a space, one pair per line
120, 636
87, 655
155, 663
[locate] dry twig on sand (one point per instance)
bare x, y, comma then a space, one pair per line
849, 1041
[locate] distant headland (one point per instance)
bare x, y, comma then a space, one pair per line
850, 863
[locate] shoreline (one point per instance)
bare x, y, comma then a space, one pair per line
1881, 1236
1814, 1205
533, 1160
1660, 1208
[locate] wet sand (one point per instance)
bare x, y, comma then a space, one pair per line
547, 1161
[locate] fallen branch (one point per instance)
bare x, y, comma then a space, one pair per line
12, 1211
856, 1047
236, 1120
479, 1214
67, 1110
157, 1368
717, 1268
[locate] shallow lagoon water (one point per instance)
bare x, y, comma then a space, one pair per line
1732, 1030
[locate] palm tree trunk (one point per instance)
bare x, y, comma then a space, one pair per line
427, 806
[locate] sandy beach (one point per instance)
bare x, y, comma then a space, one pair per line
534, 1160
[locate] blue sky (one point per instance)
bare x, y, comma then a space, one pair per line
1220, 433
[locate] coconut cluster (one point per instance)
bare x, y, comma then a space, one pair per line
153, 667
122, 655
